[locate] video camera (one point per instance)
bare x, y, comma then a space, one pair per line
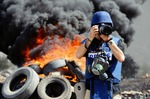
105, 29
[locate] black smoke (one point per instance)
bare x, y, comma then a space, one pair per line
16, 15
129, 67
20, 21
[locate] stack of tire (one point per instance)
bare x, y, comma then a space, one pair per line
25, 83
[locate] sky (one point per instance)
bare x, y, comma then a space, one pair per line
139, 48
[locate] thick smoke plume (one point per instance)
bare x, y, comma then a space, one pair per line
65, 16
32, 19
23, 21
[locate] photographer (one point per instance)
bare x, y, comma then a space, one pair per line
103, 57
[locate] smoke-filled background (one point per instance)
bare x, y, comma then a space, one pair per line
23, 21
139, 48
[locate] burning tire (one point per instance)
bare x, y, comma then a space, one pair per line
36, 68
52, 66
21, 84
54, 87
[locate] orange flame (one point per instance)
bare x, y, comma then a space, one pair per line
61, 48
65, 48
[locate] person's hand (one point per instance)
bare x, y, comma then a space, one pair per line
93, 32
105, 38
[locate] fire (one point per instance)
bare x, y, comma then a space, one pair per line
67, 74
73, 79
41, 36
62, 48
52, 48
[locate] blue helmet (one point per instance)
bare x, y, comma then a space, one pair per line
101, 17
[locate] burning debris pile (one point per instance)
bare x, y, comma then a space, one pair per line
52, 35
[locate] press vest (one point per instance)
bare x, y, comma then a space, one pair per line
114, 71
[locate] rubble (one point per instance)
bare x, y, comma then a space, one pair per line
136, 88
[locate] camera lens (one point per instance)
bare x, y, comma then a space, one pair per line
105, 29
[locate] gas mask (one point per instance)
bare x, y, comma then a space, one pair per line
100, 65
105, 29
